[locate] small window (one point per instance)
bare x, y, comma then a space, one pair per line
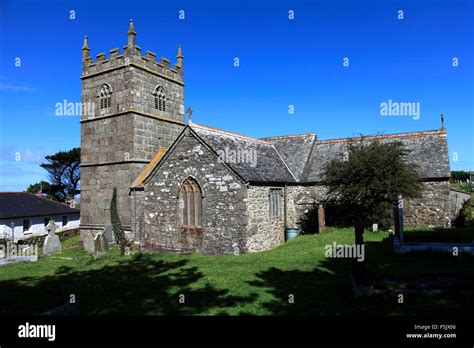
46, 221
275, 205
160, 98
105, 96
26, 225
65, 220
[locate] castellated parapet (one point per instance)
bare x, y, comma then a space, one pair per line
132, 56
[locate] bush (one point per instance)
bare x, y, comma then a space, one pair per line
465, 215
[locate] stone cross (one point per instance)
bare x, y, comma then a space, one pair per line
52, 244
189, 112
51, 228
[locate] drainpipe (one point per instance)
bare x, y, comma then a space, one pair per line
284, 208
135, 215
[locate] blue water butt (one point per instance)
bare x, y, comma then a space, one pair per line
291, 233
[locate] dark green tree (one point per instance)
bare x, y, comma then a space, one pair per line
366, 180
457, 176
42, 186
117, 228
63, 173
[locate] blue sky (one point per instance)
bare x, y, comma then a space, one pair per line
282, 62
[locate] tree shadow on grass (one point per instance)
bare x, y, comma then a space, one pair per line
327, 289
137, 286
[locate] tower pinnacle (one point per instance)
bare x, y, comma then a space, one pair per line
85, 48
179, 57
131, 34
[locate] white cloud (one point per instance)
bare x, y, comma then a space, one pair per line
21, 87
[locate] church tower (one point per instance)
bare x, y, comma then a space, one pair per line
133, 105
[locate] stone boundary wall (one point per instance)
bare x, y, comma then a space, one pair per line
458, 198
39, 238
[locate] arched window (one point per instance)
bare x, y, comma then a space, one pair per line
160, 98
105, 96
190, 202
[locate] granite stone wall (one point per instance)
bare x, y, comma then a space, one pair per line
263, 232
119, 141
432, 209
97, 183
302, 207
224, 212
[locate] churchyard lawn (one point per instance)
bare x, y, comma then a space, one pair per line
256, 284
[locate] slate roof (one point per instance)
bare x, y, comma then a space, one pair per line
428, 151
25, 204
259, 159
302, 158
295, 150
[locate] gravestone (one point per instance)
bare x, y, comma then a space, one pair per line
398, 209
100, 244
52, 244
321, 218
375, 227
109, 234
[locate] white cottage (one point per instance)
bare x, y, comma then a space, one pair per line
31, 213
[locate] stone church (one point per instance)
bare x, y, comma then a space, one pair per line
185, 187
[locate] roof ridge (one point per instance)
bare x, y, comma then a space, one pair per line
380, 136
289, 136
288, 168
307, 163
49, 200
225, 132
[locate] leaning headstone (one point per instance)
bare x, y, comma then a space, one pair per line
109, 234
100, 244
52, 243
398, 209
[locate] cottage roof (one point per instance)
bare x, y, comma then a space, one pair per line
26, 204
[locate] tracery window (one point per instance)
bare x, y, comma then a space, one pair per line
160, 98
105, 96
190, 199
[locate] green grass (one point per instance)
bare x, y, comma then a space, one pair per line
255, 284
463, 187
